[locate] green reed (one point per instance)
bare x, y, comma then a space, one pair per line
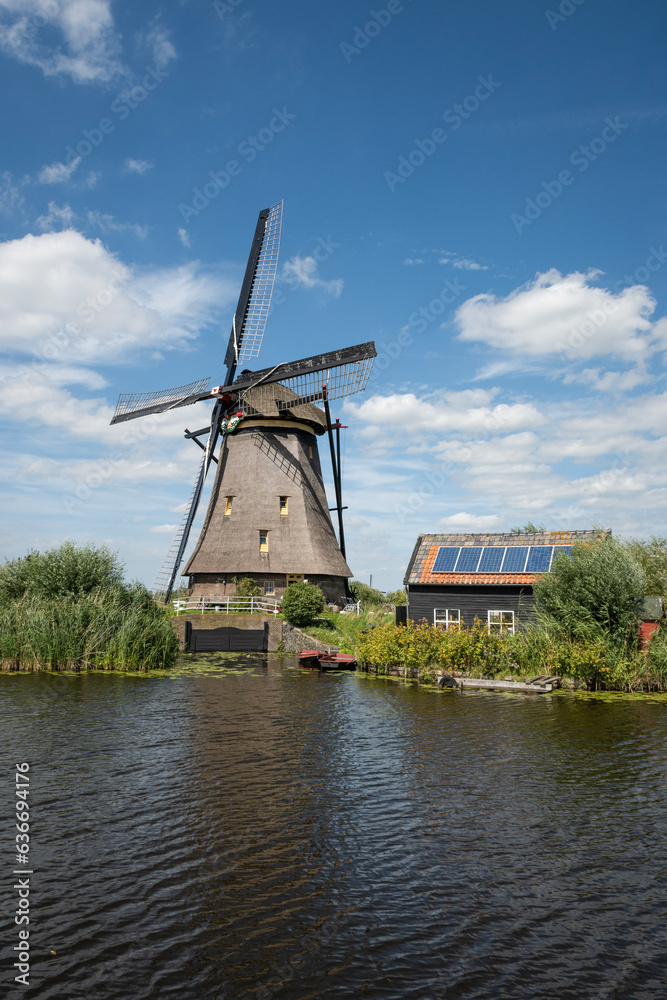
113, 628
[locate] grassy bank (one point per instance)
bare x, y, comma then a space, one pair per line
595, 661
346, 631
68, 609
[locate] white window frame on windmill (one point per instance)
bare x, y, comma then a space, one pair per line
263, 545
228, 506
284, 505
269, 587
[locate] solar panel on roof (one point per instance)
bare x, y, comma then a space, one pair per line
492, 559
539, 559
468, 559
564, 549
515, 558
445, 561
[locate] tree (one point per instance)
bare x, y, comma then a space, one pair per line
302, 603
67, 571
396, 597
592, 592
527, 529
652, 557
369, 596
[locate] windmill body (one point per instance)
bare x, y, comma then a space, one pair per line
268, 516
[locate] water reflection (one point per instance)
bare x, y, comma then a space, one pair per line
256, 830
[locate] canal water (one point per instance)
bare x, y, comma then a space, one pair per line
246, 829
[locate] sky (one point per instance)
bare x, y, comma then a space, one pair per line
477, 187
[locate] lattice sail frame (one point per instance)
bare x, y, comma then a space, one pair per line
341, 380
181, 395
252, 333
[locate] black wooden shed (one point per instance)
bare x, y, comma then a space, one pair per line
453, 579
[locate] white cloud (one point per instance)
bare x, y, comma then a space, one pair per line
164, 529
11, 198
66, 297
137, 166
462, 263
58, 173
157, 39
91, 180
88, 47
562, 314
581, 462
455, 412
107, 224
613, 382
304, 272
413, 261
184, 238
463, 523
56, 215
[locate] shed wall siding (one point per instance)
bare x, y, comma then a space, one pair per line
473, 602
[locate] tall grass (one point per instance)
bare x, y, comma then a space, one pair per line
110, 628
68, 610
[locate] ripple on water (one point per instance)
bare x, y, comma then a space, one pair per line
256, 831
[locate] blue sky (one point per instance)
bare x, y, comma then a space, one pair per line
478, 187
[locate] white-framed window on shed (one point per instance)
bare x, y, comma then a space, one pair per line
501, 621
447, 618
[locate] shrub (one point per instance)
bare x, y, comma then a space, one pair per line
67, 571
246, 587
302, 603
591, 594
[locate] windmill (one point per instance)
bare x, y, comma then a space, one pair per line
267, 516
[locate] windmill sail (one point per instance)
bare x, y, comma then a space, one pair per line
140, 404
345, 372
254, 302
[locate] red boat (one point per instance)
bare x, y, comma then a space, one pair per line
326, 661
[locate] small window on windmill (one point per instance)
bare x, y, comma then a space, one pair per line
263, 541
228, 505
283, 505
269, 587
310, 451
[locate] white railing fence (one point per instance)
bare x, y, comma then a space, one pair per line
228, 605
